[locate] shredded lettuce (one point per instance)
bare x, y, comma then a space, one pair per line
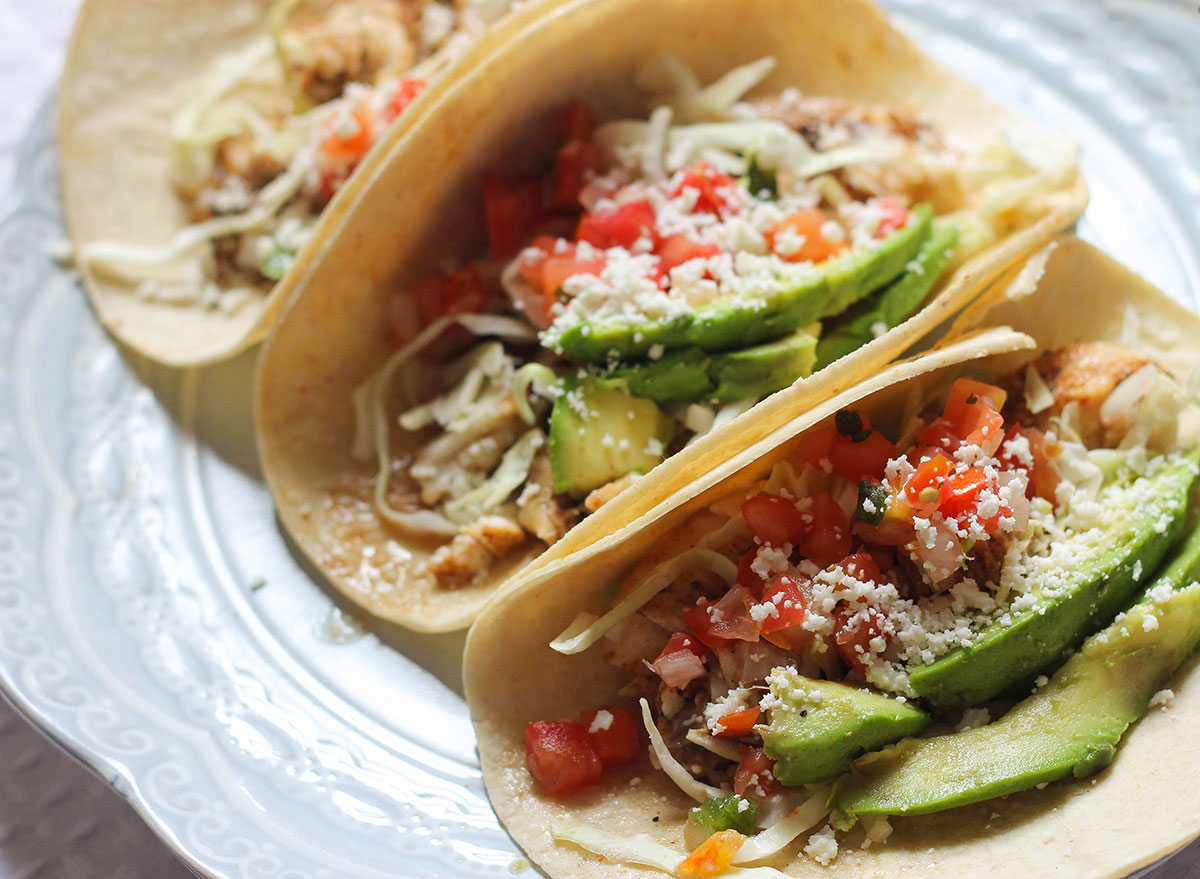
581, 634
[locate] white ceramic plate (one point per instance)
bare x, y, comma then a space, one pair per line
155, 621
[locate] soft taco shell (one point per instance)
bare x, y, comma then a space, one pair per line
418, 205
129, 69
1138, 811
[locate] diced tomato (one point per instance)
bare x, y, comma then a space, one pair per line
805, 224
618, 742
973, 412
530, 265
576, 122
746, 577
1043, 478
816, 448
862, 566
706, 181
828, 536
961, 498
556, 269
941, 436
678, 249
895, 215
407, 91
738, 724
789, 604
866, 459
577, 161
773, 519
959, 401
680, 663
923, 491
717, 623
620, 226
853, 642
346, 133
755, 768
684, 641
511, 209
561, 757
712, 857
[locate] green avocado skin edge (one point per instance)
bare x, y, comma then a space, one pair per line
722, 325
891, 306
1069, 727
1039, 638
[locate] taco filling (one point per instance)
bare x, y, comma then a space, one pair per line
659, 280
277, 127
867, 591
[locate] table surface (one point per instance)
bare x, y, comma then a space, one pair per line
57, 819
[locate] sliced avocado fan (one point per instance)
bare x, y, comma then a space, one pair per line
1069, 727
1089, 595
691, 375
891, 306
735, 323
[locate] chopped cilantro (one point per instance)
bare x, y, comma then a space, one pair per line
872, 502
761, 182
848, 423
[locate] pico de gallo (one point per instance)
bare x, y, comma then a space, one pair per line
661, 277
858, 563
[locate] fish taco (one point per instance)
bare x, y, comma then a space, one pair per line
916, 632
607, 255
201, 145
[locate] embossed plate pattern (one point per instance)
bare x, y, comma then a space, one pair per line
154, 620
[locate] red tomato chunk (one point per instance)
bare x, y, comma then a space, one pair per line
616, 737
561, 757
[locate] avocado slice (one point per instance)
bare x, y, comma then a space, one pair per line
728, 323
892, 305
1089, 595
763, 369
692, 374
1070, 727
817, 728
599, 432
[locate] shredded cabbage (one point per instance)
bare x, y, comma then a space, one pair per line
579, 636
772, 840
640, 849
677, 87
1037, 396
512, 470
111, 254
661, 147
674, 770
541, 379
421, 521
721, 747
